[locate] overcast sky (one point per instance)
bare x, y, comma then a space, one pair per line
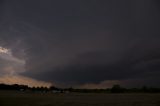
84, 43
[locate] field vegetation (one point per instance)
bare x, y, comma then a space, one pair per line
18, 98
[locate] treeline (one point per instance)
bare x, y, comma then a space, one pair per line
13, 87
114, 89
118, 89
23, 87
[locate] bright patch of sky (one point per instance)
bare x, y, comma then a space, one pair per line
9, 63
11, 67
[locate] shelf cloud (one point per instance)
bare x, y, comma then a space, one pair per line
81, 43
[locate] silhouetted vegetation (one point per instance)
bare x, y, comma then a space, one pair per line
13, 87
117, 89
114, 89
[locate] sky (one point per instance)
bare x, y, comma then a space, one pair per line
80, 43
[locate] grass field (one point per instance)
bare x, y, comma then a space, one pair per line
13, 98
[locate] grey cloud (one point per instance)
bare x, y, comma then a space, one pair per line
83, 41
101, 65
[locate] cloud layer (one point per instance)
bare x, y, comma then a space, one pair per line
82, 42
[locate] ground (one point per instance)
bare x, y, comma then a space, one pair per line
14, 98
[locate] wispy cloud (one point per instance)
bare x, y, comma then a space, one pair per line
11, 67
10, 64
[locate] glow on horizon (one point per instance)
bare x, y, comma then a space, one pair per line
11, 69
22, 80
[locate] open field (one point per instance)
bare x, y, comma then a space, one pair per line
13, 98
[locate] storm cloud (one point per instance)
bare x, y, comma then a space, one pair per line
83, 42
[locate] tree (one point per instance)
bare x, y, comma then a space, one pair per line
117, 89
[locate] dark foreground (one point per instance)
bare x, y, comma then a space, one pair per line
13, 98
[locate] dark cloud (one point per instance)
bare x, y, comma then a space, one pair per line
98, 66
83, 41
